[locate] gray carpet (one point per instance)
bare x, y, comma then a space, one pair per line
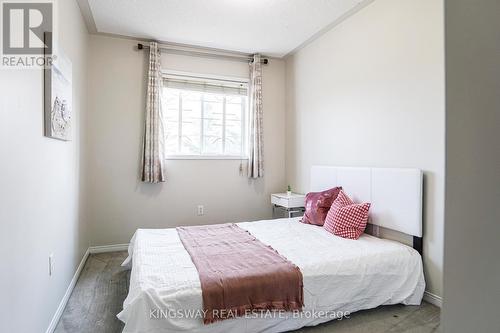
103, 285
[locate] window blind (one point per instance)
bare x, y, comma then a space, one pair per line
217, 86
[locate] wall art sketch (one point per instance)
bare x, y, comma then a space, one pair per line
58, 97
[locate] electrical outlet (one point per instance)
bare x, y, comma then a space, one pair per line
201, 210
51, 264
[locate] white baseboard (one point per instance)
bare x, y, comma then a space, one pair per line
108, 248
64, 301
433, 299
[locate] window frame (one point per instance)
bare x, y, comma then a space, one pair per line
244, 133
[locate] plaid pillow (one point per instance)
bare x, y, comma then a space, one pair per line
345, 218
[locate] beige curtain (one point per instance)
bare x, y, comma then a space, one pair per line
255, 142
153, 158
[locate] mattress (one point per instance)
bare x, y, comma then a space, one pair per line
341, 276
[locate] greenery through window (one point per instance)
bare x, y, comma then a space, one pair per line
204, 123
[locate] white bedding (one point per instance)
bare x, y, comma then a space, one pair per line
339, 275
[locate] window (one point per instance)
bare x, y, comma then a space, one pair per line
204, 117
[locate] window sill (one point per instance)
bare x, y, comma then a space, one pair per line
205, 157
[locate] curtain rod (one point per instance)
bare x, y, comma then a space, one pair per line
242, 58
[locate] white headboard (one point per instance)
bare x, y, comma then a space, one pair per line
395, 194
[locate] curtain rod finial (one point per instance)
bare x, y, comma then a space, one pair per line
140, 46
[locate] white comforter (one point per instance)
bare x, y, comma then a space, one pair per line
339, 275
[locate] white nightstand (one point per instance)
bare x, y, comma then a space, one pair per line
291, 204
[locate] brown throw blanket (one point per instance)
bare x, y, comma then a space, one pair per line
239, 274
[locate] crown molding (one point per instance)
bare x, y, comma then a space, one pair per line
88, 17
363, 4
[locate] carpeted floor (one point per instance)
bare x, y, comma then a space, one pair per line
103, 285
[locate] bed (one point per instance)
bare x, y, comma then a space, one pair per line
340, 276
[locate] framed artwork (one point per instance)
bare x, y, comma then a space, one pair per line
58, 91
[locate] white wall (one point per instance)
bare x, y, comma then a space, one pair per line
472, 228
40, 189
370, 92
118, 203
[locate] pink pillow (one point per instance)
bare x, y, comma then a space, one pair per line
345, 218
318, 204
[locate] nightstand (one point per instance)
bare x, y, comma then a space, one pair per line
291, 204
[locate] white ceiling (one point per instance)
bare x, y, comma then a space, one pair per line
271, 27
